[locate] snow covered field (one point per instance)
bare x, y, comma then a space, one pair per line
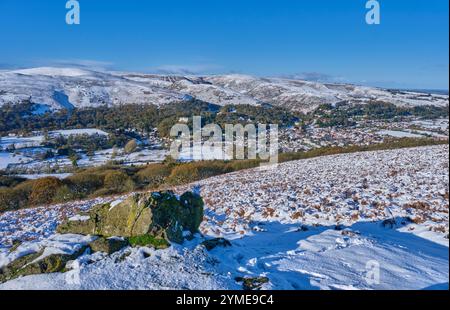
35, 141
40, 176
21, 142
7, 159
77, 132
321, 223
20, 154
399, 134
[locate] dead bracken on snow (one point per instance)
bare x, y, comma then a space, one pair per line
305, 224
332, 190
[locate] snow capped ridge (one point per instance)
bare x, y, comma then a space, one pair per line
90, 88
50, 71
83, 88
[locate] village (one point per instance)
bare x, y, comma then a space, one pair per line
365, 132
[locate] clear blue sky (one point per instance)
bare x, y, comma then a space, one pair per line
325, 39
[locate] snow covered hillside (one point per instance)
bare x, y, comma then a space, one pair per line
68, 88
311, 224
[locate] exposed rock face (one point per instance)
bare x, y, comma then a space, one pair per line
38, 263
160, 214
142, 220
252, 284
218, 242
108, 246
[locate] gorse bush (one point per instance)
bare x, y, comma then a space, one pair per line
183, 174
10, 181
9, 200
65, 194
15, 198
84, 183
154, 175
242, 164
117, 181
195, 171
43, 190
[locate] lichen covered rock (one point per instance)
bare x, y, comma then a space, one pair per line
156, 214
79, 227
193, 211
38, 263
12, 269
108, 245
252, 284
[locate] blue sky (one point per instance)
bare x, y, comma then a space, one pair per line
316, 39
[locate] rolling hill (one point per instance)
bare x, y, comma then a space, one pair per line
67, 88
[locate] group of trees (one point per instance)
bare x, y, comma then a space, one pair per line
90, 143
265, 114
19, 118
345, 115
125, 119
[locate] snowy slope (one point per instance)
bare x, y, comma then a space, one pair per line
68, 88
282, 225
71, 87
306, 95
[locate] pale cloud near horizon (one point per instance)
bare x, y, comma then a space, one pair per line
83, 63
186, 69
316, 77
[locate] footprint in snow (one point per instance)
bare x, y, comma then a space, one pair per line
342, 243
252, 262
243, 269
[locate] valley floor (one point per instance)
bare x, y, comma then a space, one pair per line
333, 222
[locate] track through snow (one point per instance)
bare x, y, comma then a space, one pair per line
310, 224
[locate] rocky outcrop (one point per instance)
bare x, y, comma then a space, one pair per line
214, 243
38, 263
152, 219
108, 245
252, 284
162, 215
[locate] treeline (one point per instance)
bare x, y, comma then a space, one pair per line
265, 114
235, 114
17, 193
20, 118
345, 115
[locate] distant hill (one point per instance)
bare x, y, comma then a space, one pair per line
60, 88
